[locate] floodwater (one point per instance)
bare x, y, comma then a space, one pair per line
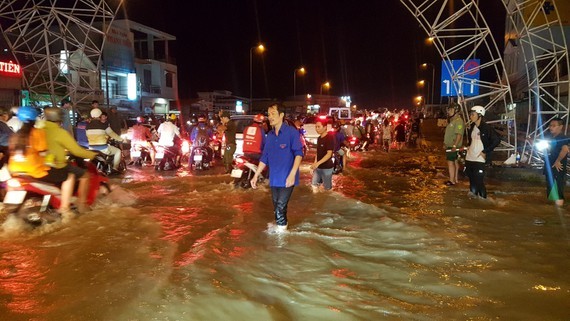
390, 243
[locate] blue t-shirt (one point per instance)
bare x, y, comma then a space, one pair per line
279, 154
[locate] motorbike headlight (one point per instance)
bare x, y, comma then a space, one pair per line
542, 144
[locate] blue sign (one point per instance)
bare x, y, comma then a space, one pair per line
466, 77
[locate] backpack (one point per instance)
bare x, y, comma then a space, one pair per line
202, 137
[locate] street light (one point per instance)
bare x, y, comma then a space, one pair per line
301, 71
419, 100
425, 65
327, 85
260, 49
421, 84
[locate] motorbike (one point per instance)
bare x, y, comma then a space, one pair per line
216, 144
104, 163
165, 158
141, 155
200, 158
243, 170
36, 202
355, 144
337, 160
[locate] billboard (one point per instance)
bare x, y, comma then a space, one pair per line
462, 75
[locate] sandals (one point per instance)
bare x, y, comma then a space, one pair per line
449, 183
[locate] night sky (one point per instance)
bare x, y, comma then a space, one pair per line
368, 49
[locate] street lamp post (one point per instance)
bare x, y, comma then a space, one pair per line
260, 48
422, 84
302, 72
425, 65
327, 85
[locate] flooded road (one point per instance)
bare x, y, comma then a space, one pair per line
390, 243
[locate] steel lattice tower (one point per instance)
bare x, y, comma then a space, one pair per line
536, 25
59, 43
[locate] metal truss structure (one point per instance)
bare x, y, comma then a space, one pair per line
60, 44
535, 29
463, 34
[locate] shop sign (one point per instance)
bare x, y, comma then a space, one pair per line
10, 69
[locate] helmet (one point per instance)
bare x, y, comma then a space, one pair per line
96, 112
455, 107
258, 118
27, 114
201, 119
53, 114
479, 110
140, 119
172, 117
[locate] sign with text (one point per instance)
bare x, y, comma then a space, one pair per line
462, 75
10, 69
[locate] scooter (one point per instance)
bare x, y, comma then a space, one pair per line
200, 158
141, 155
355, 144
243, 171
36, 202
104, 162
166, 158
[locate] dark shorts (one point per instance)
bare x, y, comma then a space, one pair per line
451, 156
59, 175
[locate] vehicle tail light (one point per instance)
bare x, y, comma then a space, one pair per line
185, 146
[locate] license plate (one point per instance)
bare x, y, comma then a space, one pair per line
236, 173
15, 197
198, 157
136, 154
159, 155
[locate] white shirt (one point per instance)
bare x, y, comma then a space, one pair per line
476, 147
167, 131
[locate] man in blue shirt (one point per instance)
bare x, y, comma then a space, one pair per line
283, 152
555, 162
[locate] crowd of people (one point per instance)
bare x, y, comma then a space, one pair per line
38, 146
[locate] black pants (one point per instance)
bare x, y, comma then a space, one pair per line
281, 197
558, 179
476, 173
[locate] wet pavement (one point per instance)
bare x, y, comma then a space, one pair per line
391, 242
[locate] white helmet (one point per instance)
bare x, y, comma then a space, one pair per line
479, 110
96, 112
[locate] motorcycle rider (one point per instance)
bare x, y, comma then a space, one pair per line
98, 134
142, 138
59, 143
200, 137
254, 138
167, 131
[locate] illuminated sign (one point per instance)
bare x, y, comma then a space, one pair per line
10, 68
460, 75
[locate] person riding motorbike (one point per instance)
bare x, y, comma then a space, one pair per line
200, 136
98, 134
142, 138
167, 132
254, 138
58, 142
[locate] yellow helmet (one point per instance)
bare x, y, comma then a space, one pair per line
172, 117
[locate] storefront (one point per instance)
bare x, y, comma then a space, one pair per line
10, 83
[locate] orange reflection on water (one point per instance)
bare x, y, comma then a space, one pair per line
21, 277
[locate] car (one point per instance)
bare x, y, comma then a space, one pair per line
311, 134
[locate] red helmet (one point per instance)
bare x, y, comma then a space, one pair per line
258, 118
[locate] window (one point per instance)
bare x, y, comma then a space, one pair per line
169, 79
